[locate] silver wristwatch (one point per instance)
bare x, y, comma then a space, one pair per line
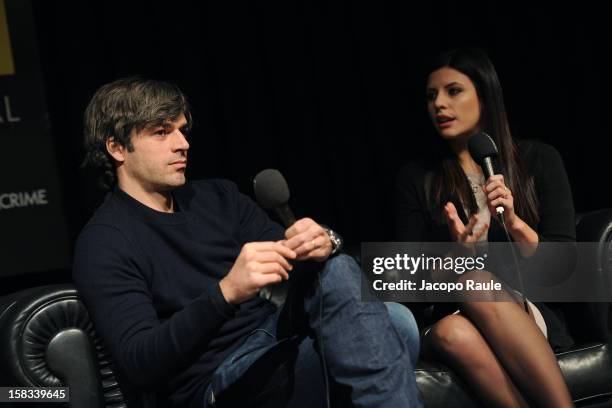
335, 238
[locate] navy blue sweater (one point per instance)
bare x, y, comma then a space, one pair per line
150, 281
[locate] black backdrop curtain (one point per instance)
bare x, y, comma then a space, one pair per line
330, 92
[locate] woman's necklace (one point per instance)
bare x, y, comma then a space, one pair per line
476, 182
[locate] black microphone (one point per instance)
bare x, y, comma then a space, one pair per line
483, 149
272, 192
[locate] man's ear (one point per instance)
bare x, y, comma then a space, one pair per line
115, 149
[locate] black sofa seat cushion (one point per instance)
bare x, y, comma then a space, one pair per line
586, 368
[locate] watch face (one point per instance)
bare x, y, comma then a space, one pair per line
334, 240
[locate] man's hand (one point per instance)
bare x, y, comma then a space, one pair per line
309, 240
258, 264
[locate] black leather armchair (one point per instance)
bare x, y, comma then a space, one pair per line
47, 339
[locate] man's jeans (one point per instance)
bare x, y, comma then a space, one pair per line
370, 348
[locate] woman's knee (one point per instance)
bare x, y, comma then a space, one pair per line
453, 335
488, 314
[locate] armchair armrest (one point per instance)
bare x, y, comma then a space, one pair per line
48, 340
595, 318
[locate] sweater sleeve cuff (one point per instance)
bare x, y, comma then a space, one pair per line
221, 305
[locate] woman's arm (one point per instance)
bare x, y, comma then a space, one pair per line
556, 205
556, 208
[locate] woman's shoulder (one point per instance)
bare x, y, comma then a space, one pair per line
541, 159
537, 152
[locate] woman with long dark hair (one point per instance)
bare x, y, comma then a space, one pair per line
499, 348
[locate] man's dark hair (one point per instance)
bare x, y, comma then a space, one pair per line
124, 105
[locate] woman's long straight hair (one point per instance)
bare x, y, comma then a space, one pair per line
450, 182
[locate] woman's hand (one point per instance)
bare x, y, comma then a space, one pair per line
460, 232
498, 195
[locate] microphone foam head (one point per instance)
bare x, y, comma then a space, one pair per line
271, 190
481, 145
